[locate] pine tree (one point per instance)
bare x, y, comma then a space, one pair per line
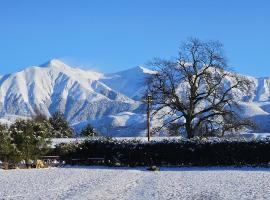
8, 153
88, 131
30, 138
60, 126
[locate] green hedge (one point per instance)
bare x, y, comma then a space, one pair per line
196, 152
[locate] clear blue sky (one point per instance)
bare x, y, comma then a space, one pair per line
111, 35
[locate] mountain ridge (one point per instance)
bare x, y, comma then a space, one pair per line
110, 101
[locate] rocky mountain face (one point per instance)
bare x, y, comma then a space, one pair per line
111, 102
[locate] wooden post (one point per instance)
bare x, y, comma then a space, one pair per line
148, 117
148, 100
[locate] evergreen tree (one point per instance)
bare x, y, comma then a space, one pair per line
5, 141
88, 131
60, 126
30, 138
8, 153
39, 117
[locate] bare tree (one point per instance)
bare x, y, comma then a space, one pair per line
195, 93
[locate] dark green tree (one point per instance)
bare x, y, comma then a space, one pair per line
31, 139
8, 151
60, 126
88, 131
39, 117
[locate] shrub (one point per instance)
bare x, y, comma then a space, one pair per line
195, 152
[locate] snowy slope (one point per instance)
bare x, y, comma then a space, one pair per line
56, 86
111, 102
121, 124
130, 82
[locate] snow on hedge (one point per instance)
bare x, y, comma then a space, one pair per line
240, 137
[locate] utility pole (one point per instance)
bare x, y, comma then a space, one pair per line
148, 100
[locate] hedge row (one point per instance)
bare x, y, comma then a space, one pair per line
197, 152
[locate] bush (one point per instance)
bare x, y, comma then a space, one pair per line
195, 152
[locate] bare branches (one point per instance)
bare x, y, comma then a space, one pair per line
197, 86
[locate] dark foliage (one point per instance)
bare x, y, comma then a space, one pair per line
30, 138
194, 152
60, 126
88, 131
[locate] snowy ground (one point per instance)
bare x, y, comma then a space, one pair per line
135, 183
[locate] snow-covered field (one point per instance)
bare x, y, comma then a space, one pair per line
135, 183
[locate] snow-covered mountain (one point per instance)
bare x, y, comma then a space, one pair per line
83, 96
130, 82
111, 102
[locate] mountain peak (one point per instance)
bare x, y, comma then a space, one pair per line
55, 63
146, 70
136, 70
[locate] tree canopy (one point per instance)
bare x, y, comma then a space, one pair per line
196, 94
60, 126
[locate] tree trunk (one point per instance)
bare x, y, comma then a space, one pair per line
5, 163
189, 129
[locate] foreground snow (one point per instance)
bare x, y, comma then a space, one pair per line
135, 183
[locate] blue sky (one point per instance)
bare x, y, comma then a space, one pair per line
114, 35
